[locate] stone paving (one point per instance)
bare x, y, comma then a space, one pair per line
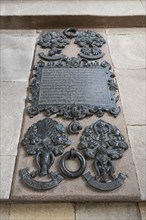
63, 7
127, 53
109, 13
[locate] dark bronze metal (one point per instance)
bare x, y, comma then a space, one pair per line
49, 58
73, 88
44, 140
74, 127
56, 42
105, 186
103, 143
74, 154
90, 42
29, 181
70, 32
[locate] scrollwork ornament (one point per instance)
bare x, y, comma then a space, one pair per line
71, 111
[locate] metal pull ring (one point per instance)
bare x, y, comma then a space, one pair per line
66, 156
70, 32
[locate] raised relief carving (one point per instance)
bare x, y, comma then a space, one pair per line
103, 143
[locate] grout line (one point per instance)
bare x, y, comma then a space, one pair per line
139, 210
74, 206
135, 125
109, 51
9, 212
134, 164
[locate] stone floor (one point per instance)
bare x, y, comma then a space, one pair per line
68, 211
30, 7
127, 50
107, 13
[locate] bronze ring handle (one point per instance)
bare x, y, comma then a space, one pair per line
70, 32
68, 173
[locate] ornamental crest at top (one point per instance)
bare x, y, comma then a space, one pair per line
89, 42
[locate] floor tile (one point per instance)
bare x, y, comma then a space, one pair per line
138, 146
4, 212
143, 3
9, 7
125, 31
127, 51
13, 96
132, 91
16, 57
6, 174
107, 211
52, 211
19, 32
110, 7
142, 207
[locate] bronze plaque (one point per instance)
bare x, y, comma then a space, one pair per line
65, 86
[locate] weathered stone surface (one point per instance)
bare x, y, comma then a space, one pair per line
142, 207
6, 168
13, 96
127, 51
52, 211
77, 189
4, 211
9, 7
132, 90
125, 31
16, 59
75, 8
138, 146
111, 211
143, 3
17, 32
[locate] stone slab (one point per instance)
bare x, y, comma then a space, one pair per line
110, 211
67, 7
10, 7
137, 138
63, 13
7, 167
82, 7
127, 51
52, 211
76, 189
18, 32
143, 3
16, 58
142, 207
13, 96
125, 31
132, 90
4, 211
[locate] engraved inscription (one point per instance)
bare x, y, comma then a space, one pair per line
74, 85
